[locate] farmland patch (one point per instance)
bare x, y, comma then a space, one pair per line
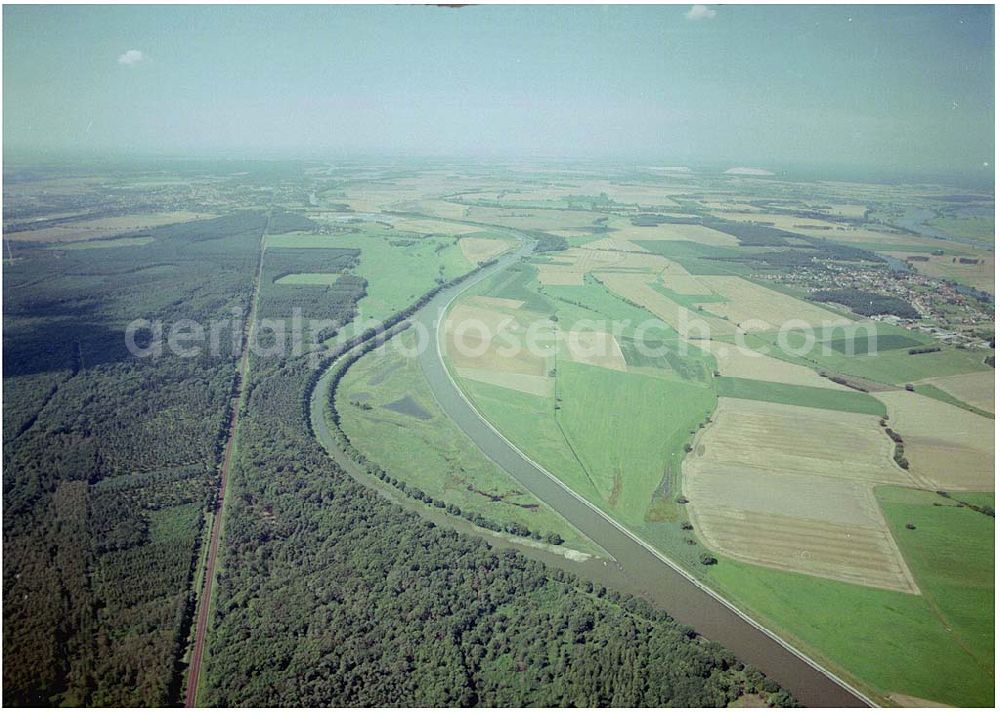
863, 344
798, 395
477, 250
975, 389
594, 348
773, 485
105, 227
686, 322
756, 308
747, 364
531, 384
947, 447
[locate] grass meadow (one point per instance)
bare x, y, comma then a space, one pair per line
431, 453
794, 395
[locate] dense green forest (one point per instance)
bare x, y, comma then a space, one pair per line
867, 303
109, 458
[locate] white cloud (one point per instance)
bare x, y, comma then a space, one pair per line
700, 12
131, 57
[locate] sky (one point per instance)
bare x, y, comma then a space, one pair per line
898, 88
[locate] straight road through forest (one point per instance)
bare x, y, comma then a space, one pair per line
205, 600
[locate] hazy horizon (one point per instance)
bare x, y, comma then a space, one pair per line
872, 89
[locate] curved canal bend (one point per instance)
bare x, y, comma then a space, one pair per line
665, 584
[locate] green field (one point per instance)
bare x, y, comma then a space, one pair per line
628, 430
699, 259
942, 395
528, 422
515, 284
812, 396
951, 554
689, 301
938, 646
308, 278
397, 274
390, 415
862, 344
633, 479
670, 355
593, 301
898, 367
975, 227
892, 366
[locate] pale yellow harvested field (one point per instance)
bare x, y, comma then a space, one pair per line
635, 195
477, 250
724, 206
981, 276
729, 486
587, 260
495, 302
674, 277
525, 383
744, 363
976, 389
696, 234
624, 230
800, 439
843, 210
785, 222
594, 348
491, 340
609, 243
865, 556
105, 227
569, 267
684, 284
469, 319
756, 308
438, 227
559, 275
470, 351
774, 485
439, 208
947, 446
372, 198
688, 323
644, 261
